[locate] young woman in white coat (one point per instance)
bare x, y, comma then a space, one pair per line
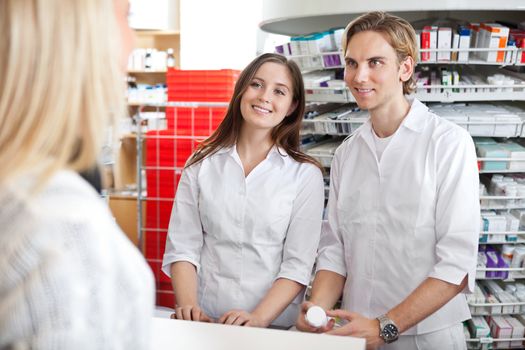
246, 220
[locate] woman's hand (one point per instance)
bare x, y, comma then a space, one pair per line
190, 313
304, 326
242, 318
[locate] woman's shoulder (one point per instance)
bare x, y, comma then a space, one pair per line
304, 168
66, 206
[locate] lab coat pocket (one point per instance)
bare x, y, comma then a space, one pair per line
212, 213
271, 225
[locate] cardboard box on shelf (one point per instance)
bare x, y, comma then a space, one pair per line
125, 169
124, 209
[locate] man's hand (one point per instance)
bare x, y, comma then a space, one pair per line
190, 313
358, 326
304, 326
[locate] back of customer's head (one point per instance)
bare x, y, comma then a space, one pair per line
61, 84
397, 31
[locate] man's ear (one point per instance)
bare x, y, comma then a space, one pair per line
406, 68
292, 108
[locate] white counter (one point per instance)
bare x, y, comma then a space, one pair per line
181, 335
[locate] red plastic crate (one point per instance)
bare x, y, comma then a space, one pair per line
158, 213
201, 121
160, 277
161, 183
201, 85
154, 244
165, 298
163, 148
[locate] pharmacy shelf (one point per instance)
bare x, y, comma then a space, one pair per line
506, 171
496, 207
502, 232
326, 158
496, 340
448, 95
513, 276
185, 104
144, 104
445, 95
322, 125
517, 303
515, 58
500, 269
519, 241
147, 71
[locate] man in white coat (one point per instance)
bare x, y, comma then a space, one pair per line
403, 213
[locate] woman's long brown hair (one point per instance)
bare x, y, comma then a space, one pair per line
284, 135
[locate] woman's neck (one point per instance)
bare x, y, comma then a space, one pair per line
253, 147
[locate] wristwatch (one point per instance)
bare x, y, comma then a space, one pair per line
388, 330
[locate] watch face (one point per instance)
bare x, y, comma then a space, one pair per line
390, 332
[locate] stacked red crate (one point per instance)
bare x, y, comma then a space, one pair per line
163, 154
200, 121
198, 86
169, 149
201, 85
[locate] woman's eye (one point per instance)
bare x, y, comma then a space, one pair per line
280, 92
256, 84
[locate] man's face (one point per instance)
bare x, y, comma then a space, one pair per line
372, 71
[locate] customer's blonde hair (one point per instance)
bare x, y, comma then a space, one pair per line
398, 32
61, 84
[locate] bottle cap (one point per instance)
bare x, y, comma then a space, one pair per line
316, 316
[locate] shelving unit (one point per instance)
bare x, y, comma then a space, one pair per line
162, 153
294, 19
162, 41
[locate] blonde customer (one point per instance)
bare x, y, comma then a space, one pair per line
69, 278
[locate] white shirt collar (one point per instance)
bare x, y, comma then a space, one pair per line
276, 154
412, 121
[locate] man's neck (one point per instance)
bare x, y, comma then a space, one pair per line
387, 119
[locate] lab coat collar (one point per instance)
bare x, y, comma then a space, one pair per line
412, 121
276, 154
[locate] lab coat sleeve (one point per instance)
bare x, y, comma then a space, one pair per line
331, 249
457, 209
185, 236
302, 237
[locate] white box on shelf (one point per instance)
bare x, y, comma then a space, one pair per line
444, 42
506, 125
481, 129
500, 328
479, 327
493, 36
518, 330
464, 43
432, 41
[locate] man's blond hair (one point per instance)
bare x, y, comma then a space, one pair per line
397, 31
